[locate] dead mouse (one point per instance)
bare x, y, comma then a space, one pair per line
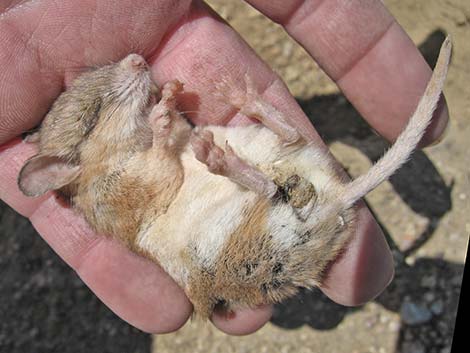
239, 216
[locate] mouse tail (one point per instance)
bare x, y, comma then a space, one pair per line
407, 141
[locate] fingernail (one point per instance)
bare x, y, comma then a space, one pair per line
366, 267
242, 321
439, 127
442, 136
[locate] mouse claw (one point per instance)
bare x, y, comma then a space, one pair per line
171, 89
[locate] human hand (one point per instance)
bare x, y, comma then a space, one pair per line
44, 43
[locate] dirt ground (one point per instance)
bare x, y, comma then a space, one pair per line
424, 211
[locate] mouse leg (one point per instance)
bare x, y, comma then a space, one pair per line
161, 126
251, 104
167, 104
228, 164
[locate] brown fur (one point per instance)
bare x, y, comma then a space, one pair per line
117, 200
226, 282
252, 270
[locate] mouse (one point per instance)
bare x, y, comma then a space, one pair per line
238, 216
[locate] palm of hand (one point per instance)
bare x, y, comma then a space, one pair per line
44, 44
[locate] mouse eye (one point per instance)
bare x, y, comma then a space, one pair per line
341, 223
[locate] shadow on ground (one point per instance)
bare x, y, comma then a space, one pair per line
422, 188
45, 307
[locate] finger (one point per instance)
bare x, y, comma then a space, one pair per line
6, 5
205, 47
242, 321
208, 52
360, 46
134, 288
368, 261
45, 43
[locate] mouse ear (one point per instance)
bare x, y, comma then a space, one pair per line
44, 173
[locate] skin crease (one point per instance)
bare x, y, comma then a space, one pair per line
37, 59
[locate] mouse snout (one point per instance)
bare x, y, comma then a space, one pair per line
135, 62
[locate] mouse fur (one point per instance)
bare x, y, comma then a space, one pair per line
238, 216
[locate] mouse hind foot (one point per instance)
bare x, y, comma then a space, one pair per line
228, 164
251, 104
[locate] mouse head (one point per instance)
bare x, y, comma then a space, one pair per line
131, 83
101, 110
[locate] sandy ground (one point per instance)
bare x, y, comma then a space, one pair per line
423, 210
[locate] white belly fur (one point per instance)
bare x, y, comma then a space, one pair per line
208, 207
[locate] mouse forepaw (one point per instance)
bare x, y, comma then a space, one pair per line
167, 104
162, 112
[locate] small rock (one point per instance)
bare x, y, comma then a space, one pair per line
408, 336
341, 100
429, 297
437, 307
384, 319
454, 237
33, 332
413, 347
415, 314
371, 321
429, 281
394, 326
456, 280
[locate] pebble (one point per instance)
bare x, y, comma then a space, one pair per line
454, 237
437, 307
429, 281
384, 319
456, 280
33, 332
414, 313
413, 347
429, 297
394, 326
371, 321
